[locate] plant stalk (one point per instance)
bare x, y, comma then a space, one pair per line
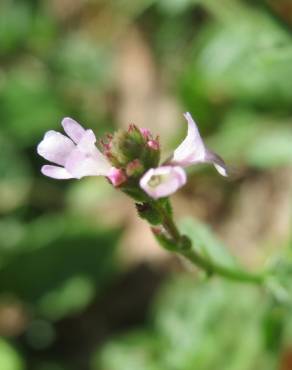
210, 267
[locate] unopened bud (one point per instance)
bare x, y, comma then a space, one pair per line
134, 168
117, 177
153, 144
145, 132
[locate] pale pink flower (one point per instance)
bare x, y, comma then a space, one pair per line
162, 181
74, 156
193, 150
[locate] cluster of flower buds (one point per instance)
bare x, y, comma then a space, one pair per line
129, 159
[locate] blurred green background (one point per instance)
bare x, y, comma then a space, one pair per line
83, 285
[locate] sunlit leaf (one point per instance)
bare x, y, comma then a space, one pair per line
9, 358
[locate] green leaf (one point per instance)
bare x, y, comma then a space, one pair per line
15, 23
207, 245
197, 325
15, 176
245, 59
9, 358
30, 103
139, 350
254, 139
60, 263
272, 149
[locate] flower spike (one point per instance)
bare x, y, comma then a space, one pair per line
130, 161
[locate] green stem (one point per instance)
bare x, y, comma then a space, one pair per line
211, 268
168, 223
192, 255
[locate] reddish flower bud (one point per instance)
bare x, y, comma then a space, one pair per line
117, 177
134, 168
153, 144
146, 133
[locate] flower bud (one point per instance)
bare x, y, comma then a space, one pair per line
133, 150
145, 132
117, 177
153, 144
134, 168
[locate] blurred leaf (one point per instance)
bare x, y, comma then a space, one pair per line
79, 59
15, 178
206, 321
206, 244
272, 148
130, 9
175, 6
43, 33
71, 297
15, 20
245, 58
203, 325
40, 334
30, 104
59, 272
23, 24
257, 140
136, 351
9, 358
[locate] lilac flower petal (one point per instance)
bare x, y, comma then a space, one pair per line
56, 172
192, 149
87, 146
79, 157
73, 129
81, 164
55, 147
163, 181
217, 161
87, 142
